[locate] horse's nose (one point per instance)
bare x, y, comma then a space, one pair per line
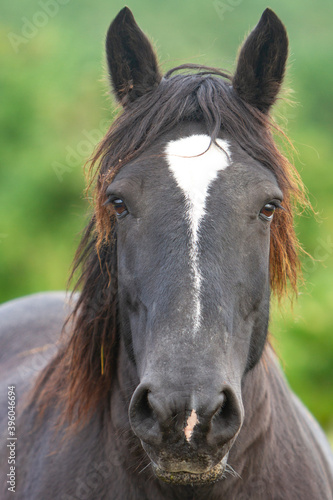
208, 419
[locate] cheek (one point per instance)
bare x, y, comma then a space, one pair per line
131, 262
133, 322
255, 271
259, 271
138, 335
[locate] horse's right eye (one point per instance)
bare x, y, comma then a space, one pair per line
120, 207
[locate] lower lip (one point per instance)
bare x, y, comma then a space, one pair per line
210, 476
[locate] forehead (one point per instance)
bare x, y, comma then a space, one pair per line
187, 156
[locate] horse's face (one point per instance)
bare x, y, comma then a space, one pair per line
193, 279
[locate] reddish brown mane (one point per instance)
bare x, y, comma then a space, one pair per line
75, 376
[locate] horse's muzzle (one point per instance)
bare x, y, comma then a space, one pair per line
186, 445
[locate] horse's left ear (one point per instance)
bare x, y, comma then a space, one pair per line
132, 63
261, 62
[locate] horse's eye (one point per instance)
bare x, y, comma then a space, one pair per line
267, 211
120, 207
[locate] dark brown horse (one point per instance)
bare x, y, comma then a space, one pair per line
163, 385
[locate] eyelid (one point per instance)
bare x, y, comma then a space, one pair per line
274, 201
107, 202
111, 198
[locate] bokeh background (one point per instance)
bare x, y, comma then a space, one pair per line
55, 107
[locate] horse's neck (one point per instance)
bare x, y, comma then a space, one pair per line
258, 421
270, 428
124, 385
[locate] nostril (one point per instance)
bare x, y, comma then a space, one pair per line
143, 406
227, 419
142, 415
140, 408
222, 404
226, 409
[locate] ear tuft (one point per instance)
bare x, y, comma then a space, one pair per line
261, 62
131, 60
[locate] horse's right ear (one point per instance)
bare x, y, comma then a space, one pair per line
131, 60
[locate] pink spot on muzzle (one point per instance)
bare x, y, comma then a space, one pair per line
192, 421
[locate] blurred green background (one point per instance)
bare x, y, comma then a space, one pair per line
55, 107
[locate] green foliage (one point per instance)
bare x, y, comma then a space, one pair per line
54, 111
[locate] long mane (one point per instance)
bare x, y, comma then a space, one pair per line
82, 374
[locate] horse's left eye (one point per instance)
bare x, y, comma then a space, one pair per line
267, 211
120, 207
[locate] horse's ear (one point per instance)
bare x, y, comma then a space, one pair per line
131, 60
261, 62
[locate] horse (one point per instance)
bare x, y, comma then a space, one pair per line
158, 380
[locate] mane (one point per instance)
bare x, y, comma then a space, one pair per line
82, 374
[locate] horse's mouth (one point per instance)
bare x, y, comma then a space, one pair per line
182, 477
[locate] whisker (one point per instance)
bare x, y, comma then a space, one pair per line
230, 470
144, 468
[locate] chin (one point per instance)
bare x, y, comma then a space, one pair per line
189, 478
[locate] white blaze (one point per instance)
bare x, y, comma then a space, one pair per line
195, 168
